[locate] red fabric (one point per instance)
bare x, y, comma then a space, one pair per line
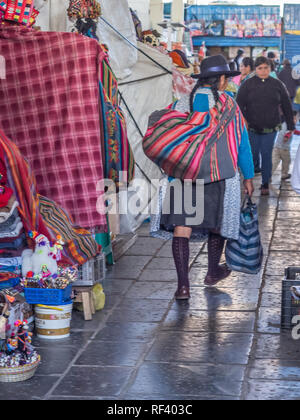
5, 195
49, 107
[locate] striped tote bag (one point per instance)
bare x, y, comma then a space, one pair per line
245, 255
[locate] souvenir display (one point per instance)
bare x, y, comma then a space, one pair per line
18, 358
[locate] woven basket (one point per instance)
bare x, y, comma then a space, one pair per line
19, 374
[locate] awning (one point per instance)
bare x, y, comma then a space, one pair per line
225, 41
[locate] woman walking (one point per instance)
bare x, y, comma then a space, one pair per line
260, 99
221, 197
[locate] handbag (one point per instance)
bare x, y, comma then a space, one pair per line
197, 145
245, 255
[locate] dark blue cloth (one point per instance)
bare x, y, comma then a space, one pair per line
263, 144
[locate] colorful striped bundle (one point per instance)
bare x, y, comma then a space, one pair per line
19, 11
200, 145
80, 244
41, 214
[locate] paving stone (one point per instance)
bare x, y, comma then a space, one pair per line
155, 290
186, 347
235, 280
144, 230
127, 273
77, 339
162, 264
271, 300
288, 215
159, 275
98, 381
283, 240
278, 261
78, 322
202, 321
269, 320
277, 346
122, 331
34, 389
288, 193
134, 261
141, 310
197, 380
212, 299
116, 287
172, 397
273, 390
145, 246
166, 250
105, 353
284, 370
272, 284
289, 203
56, 358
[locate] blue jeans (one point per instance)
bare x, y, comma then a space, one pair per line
263, 144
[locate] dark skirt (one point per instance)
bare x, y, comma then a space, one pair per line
213, 209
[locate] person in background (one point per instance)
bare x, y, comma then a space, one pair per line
260, 99
246, 69
238, 59
272, 57
232, 87
281, 152
286, 76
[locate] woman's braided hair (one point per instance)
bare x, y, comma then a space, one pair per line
213, 83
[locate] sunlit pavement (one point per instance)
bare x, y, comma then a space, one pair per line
226, 343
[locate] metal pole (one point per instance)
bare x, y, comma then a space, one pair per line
134, 46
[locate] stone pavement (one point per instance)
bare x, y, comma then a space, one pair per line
225, 344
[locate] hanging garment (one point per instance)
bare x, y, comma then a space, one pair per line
117, 152
49, 107
79, 243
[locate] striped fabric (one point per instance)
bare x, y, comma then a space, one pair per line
117, 152
80, 244
201, 145
40, 214
245, 255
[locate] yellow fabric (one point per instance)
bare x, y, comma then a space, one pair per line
297, 97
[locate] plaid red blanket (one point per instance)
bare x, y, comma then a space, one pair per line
49, 107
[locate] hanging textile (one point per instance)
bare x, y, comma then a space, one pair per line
117, 153
39, 213
49, 107
117, 150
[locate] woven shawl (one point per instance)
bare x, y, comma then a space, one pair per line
201, 145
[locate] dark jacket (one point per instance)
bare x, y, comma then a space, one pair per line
261, 101
286, 77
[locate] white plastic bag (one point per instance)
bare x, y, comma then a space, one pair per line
296, 173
